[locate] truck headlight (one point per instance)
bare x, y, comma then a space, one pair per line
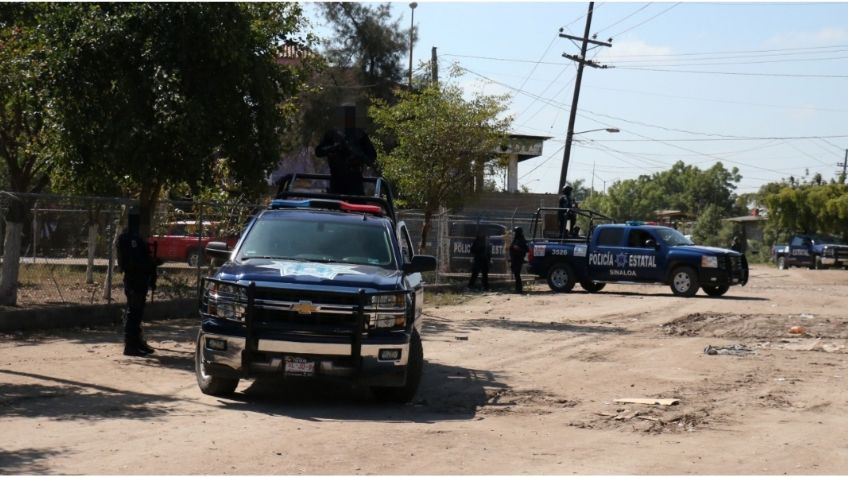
709, 262
389, 311
225, 301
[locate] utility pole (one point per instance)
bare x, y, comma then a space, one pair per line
844, 164
581, 62
434, 66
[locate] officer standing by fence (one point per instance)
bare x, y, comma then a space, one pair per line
481, 255
517, 250
139, 268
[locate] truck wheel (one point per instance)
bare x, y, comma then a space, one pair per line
684, 282
212, 385
561, 278
781, 262
195, 258
592, 287
715, 290
414, 370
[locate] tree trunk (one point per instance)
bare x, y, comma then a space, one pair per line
92, 246
425, 229
146, 207
11, 263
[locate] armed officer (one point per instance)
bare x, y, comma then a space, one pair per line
567, 218
481, 255
139, 268
517, 251
347, 149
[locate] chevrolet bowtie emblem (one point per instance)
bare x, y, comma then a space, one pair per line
304, 308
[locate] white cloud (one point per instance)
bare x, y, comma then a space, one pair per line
823, 37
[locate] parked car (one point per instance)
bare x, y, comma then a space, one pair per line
181, 241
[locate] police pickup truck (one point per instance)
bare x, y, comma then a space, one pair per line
319, 286
633, 252
811, 250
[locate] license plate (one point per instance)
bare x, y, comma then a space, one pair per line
299, 366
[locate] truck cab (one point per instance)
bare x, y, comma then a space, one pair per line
319, 286
635, 252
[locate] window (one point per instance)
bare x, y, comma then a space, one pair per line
639, 239
318, 240
610, 237
405, 243
797, 242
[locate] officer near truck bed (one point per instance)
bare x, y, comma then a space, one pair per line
348, 150
517, 251
139, 267
566, 218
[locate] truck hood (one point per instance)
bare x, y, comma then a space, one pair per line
704, 250
337, 275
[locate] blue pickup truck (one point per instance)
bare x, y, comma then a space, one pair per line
319, 286
811, 250
632, 252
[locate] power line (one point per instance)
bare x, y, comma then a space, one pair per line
645, 21
764, 138
625, 18
731, 73
747, 62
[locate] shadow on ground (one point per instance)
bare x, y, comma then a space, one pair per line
26, 461
446, 393
64, 399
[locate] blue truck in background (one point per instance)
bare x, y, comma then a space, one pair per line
319, 286
633, 252
814, 251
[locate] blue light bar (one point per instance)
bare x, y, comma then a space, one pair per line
634, 222
289, 204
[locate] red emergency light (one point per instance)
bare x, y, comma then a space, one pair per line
370, 209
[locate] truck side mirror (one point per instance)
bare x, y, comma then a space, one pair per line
218, 250
651, 243
420, 263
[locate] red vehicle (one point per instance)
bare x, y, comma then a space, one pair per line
181, 241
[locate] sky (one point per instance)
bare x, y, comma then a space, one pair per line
758, 86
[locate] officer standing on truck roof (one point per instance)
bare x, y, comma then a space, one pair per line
347, 149
139, 268
567, 218
481, 253
517, 250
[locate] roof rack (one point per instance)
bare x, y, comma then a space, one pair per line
381, 197
591, 215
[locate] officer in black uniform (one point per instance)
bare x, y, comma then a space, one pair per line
347, 149
566, 218
139, 268
517, 250
481, 254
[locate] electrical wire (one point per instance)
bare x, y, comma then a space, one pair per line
645, 21
625, 18
731, 73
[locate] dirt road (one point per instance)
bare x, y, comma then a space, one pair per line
513, 384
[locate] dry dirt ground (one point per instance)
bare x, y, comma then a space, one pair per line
512, 385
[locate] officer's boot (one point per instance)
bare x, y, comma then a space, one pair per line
142, 345
132, 346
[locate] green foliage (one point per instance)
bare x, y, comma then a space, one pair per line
440, 136
27, 130
682, 187
806, 207
708, 226
156, 95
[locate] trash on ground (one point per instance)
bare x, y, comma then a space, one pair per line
651, 401
461, 338
807, 315
797, 330
734, 349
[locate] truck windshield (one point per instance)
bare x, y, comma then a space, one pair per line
673, 238
315, 240
827, 239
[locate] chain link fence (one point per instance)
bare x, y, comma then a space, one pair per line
67, 251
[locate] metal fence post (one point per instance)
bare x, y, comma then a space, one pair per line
200, 256
110, 234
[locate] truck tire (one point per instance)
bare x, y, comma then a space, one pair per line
561, 277
592, 287
212, 385
414, 370
715, 290
195, 258
684, 281
781, 262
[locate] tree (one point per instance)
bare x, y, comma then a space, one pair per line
439, 137
152, 96
806, 207
27, 136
